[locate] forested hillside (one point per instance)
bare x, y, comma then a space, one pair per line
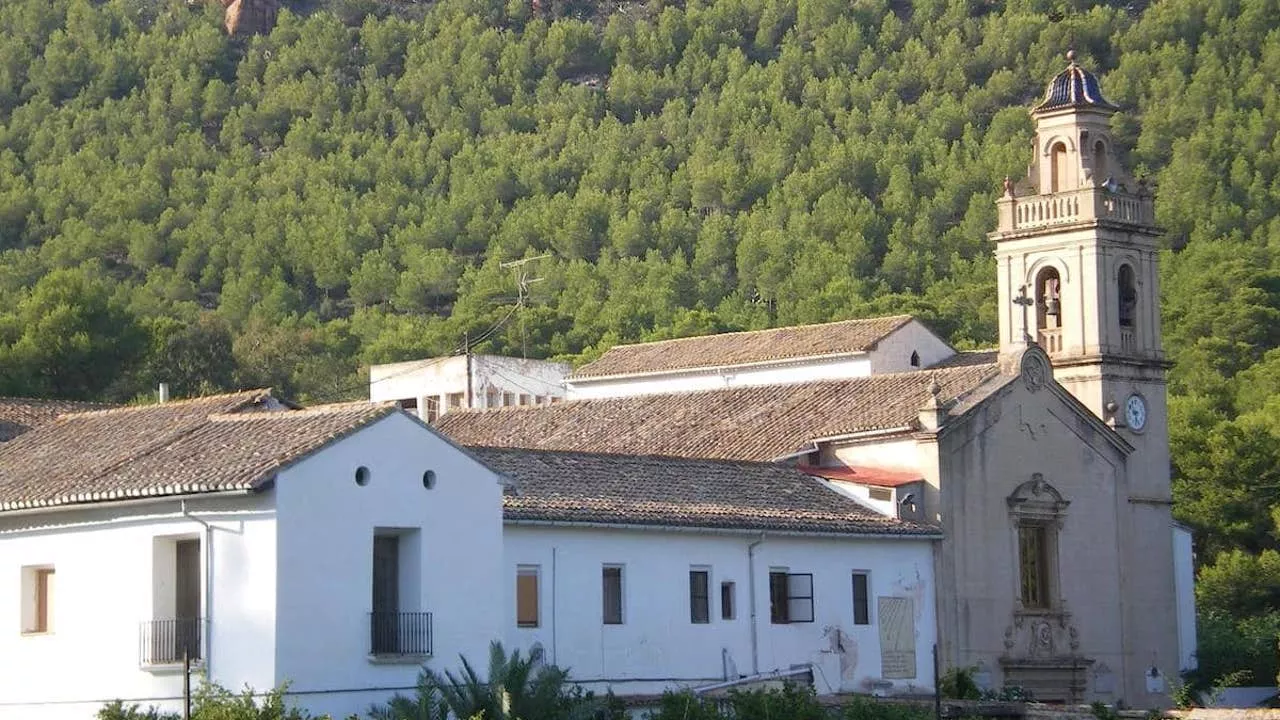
286, 209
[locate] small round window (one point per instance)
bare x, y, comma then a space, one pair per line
429, 479
362, 476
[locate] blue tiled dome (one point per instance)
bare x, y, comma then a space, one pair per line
1074, 87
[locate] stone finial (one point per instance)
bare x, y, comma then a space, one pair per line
933, 413
1071, 56
1008, 186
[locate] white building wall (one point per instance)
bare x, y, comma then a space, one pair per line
103, 592
1184, 579
657, 646
893, 353
790, 371
495, 381
888, 454
326, 530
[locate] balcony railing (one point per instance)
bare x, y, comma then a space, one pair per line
400, 633
1051, 340
1072, 206
168, 642
1128, 340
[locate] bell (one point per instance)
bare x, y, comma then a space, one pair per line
1052, 307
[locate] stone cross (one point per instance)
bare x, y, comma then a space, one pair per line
1025, 302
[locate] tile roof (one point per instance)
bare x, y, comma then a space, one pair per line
739, 348
204, 445
18, 415
574, 487
745, 423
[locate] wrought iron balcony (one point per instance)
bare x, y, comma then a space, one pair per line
169, 642
400, 633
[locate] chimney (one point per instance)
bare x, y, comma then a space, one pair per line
164, 392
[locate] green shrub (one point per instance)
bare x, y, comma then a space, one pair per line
860, 707
213, 702
518, 688
957, 683
686, 706
792, 702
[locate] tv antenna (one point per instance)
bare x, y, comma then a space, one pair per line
524, 280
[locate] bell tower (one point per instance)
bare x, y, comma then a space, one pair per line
1077, 257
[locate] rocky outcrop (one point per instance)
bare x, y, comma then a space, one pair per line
248, 17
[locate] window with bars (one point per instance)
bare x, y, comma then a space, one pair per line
699, 596
1033, 565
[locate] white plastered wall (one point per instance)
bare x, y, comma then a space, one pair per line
103, 560
658, 646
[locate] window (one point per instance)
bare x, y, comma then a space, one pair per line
526, 399
433, 410
1058, 176
1033, 565
790, 597
915, 359
699, 597
612, 580
396, 628
527, 596
727, 601
861, 600
881, 494
454, 400
1037, 512
37, 599
508, 399
408, 404
176, 603
1128, 296
493, 398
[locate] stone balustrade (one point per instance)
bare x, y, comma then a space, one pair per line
1074, 206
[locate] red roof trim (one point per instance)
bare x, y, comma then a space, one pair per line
864, 475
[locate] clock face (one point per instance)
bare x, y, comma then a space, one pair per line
1135, 412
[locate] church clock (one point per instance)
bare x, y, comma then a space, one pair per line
1135, 412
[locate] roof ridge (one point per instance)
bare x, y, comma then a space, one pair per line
331, 409
249, 395
903, 317
631, 456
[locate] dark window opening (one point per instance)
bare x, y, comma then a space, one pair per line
861, 600
699, 597
726, 601
612, 581
915, 359
1128, 296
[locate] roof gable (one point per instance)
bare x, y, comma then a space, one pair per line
596, 488
742, 348
747, 423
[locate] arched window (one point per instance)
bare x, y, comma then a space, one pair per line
915, 359
1100, 163
1049, 310
1128, 296
1058, 160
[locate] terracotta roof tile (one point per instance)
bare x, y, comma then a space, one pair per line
574, 487
746, 423
18, 415
740, 348
203, 445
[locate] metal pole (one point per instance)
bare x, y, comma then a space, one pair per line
186, 682
937, 686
